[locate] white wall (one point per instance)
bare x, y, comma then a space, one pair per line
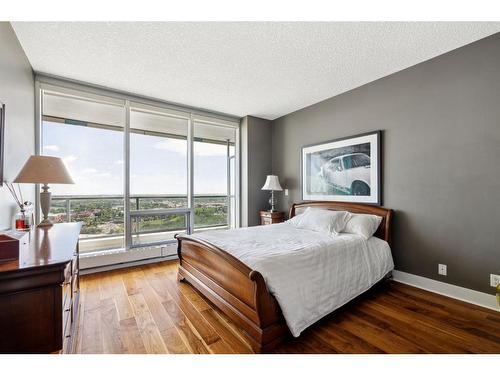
17, 93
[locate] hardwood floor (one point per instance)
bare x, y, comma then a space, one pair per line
145, 310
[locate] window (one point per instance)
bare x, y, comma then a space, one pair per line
134, 187
158, 174
213, 150
93, 154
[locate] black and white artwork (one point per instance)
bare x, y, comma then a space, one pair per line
345, 170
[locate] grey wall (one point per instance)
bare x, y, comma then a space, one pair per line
17, 93
441, 158
255, 166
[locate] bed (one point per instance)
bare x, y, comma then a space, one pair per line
230, 270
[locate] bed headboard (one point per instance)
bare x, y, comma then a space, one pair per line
384, 229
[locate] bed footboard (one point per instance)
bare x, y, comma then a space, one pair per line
237, 290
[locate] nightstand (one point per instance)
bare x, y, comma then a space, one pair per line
267, 217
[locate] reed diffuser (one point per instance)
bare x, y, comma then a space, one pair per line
23, 219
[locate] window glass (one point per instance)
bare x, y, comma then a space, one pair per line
158, 160
214, 175
93, 157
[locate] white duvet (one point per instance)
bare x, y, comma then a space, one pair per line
309, 273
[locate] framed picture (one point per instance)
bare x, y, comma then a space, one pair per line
2, 139
345, 170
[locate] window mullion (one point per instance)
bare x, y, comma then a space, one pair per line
190, 174
126, 176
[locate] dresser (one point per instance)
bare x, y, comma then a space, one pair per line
39, 293
267, 217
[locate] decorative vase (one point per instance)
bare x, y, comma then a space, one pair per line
22, 220
19, 220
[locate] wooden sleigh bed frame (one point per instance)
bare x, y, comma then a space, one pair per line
241, 292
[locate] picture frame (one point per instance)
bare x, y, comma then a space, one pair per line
2, 140
346, 169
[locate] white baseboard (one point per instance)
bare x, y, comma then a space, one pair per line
116, 266
463, 294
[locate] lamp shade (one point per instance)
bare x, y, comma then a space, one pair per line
272, 183
44, 170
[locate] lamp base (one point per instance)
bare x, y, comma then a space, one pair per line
272, 202
45, 202
45, 223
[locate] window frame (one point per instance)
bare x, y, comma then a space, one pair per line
130, 102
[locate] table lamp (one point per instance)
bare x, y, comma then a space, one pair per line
273, 184
44, 170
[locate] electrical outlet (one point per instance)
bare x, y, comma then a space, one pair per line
442, 269
286, 192
494, 280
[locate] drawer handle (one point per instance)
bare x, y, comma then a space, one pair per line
68, 336
66, 283
66, 310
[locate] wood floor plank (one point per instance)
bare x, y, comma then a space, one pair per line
131, 337
434, 341
157, 282
441, 309
220, 347
345, 342
112, 342
149, 331
145, 310
174, 342
195, 344
90, 330
131, 279
90, 289
427, 317
200, 324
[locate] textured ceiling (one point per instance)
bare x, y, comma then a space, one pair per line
261, 69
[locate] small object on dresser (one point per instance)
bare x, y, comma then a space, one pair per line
23, 220
268, 217
11, 243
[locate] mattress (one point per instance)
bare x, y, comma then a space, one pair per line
309, 273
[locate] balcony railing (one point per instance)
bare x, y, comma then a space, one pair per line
103, 215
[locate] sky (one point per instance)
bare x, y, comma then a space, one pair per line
158, 165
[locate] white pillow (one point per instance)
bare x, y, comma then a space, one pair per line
297, 218
326, 221
362, 224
